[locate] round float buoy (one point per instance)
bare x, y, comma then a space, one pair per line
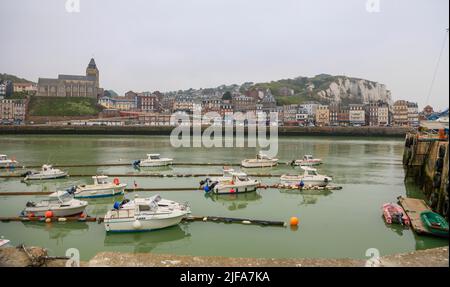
116, 181
48, 214
48, 220
137, 224
293, 221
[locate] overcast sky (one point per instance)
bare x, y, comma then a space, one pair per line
169, 45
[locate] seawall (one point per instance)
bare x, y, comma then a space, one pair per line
166, 130
426, 162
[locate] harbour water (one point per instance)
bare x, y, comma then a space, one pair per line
335, 224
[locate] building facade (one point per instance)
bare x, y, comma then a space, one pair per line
6, 89
323, 115
72, 85
400, 113
356, 114
413, 114
12, 111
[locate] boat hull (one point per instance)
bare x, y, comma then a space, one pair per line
155, 163
8, 164
258, 163
296, 181
100, 192
231, 189
129, 224
40, 176
57, 212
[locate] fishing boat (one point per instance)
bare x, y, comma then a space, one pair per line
310, 177
238, 183
46, 172
100, 188
227, 176
394, 213
5, 162
60, 203
144, 214
261, 160
152, 160
434, 223
308, 160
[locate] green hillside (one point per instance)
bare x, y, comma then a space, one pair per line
13, 78
55, 106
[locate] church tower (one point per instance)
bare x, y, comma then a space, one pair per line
92, 70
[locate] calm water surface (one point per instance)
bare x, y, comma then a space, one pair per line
335, 224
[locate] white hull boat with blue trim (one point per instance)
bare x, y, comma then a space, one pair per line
309, 178
144, 214
239, 182
101, 188
47, 172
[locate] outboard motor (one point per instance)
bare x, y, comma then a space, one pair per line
203, 182
137, 163
210, 187
71, 190
26, 173
30, 204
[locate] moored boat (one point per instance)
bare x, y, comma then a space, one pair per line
5, 162
238, 183
310, 177
46, 172
144, 214
434, 223
394, 213
308, 160
153, 160
261, 160
60, 203
100, 188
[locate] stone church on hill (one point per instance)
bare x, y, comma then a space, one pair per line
72, 85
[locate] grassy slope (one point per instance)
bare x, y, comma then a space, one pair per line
51, 106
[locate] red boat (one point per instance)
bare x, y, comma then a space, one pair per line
394, 213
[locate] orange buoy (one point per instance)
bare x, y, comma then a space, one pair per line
293, 221
116, 181
441, 134
48, 214
30, 215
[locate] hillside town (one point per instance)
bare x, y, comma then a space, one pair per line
156, 108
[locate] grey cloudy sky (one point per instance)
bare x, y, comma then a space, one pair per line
169, 45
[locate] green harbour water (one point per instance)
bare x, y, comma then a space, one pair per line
334, 224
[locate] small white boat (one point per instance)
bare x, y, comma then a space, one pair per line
47, 172
308, 160
238, 183
152, 160
60, 203
144, 214
261, 160
309, 178
101, 188
5, 162
227, 176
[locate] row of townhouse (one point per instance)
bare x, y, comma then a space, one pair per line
13, 111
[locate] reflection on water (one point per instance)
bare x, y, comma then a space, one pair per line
58, 230
147, 241
397, 228
234, 201
308, 197
154, 169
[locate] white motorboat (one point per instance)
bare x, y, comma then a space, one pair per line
227, 176
60, 203
261, 160
6, 162
308, 160
46, 172
238, 183
101, 188
309, 178
152, 160
144, 214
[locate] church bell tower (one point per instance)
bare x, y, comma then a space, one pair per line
92, 70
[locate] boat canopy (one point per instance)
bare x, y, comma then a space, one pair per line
153, 155
308, 156
3, 156
100, 179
